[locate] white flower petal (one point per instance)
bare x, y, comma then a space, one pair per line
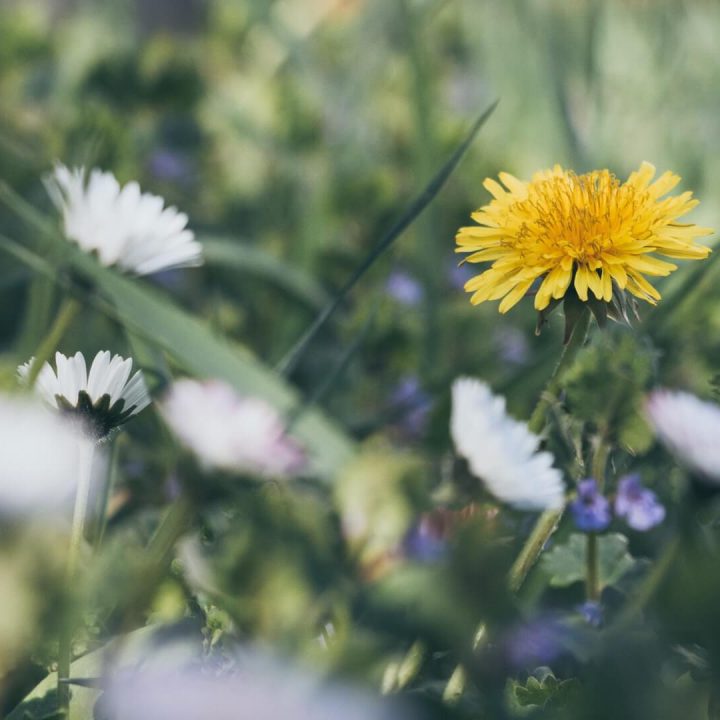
690, 428
501, 451
228, 431
125, 226
108, 376
38, 458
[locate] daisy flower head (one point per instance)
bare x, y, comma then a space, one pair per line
590, 236
124, 226
230, 432
102, 399
38, 458
501, 451
689, 428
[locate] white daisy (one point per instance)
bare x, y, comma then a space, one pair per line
689, 427
103, 399
127, 228
230, 432
38, 458
501, 451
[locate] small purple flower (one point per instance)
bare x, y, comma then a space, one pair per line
512, 345
538, 642
404, 288
590, 510
639, 506
425, 541
169, 165
458, 275
592, 613
412, 403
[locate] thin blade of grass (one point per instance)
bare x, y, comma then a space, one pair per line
255, 262
291, 359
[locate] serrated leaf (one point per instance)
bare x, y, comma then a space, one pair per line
566, 564
542, 689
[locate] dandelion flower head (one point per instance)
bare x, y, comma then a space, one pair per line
590, 234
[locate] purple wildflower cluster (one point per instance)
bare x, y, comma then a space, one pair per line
634, 503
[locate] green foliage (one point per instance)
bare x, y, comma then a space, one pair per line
541, 690
566, 564
607, 384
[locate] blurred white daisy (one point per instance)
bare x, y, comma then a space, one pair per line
126, 227
501, 451
102, 399
230, 432
689, 427
260, 690
38, 458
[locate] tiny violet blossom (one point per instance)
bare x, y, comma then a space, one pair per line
639, 506
425, 542
590, 510
38, 458
124, 226
102, 399
690, 428
592, 612
501, 451
230, 432
404, 288
539, 641
412, 405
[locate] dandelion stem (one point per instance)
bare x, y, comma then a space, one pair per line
549, 520
67, 313
569, 352
86, 449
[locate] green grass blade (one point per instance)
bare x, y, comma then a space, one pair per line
253, 261
194, 347
290, 361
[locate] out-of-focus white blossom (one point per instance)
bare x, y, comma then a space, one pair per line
126, 227
38, 458
103, 398
501, 451
689, 427
262, 692
230, 432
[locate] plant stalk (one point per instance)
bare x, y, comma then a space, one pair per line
86, 450
548, 520
67, 313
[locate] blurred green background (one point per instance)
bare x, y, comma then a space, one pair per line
293, 133
300, 128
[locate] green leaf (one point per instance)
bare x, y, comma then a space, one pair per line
411, 213
566, 564
542, 689
144, 311
250, 260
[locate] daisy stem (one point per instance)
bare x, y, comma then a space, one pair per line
549, 520
86, 449
67, 313
102, 507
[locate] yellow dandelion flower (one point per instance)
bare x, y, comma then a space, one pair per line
578, 233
